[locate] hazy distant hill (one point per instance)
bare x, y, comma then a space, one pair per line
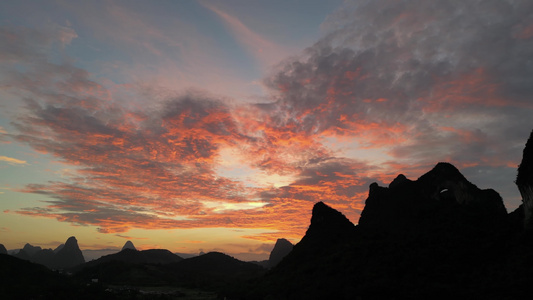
280, 250
152, 256
185, 255
65, 256
31, 250
129, 245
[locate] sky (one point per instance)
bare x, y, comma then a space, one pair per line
216, 125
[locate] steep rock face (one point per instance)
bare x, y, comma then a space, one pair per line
524, 181
3, 249
69, 256
438, 199
129, 245
281, 249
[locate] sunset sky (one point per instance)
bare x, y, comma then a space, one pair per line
216, 125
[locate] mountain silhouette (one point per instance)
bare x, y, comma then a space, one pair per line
129, 245
65, 256
441, 198
69, 255
439, 236
280, 250
31, 250
3, 249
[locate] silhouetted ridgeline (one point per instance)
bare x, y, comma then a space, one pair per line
437, 237
65, 256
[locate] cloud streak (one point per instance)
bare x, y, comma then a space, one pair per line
13, 161
266, 52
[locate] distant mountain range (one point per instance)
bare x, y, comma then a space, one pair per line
64, 256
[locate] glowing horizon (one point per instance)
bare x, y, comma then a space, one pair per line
205, 126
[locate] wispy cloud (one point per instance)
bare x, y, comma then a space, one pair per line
130, 237
263, 50
13, 161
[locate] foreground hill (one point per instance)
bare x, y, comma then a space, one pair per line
21, 279
437, 237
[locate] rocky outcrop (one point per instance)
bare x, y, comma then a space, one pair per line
327, 225
440, 198
3, 249
281, 249
129, 245
329, 235
524, 181
69, 256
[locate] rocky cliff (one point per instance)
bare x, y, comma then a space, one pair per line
524, 181
69, 256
